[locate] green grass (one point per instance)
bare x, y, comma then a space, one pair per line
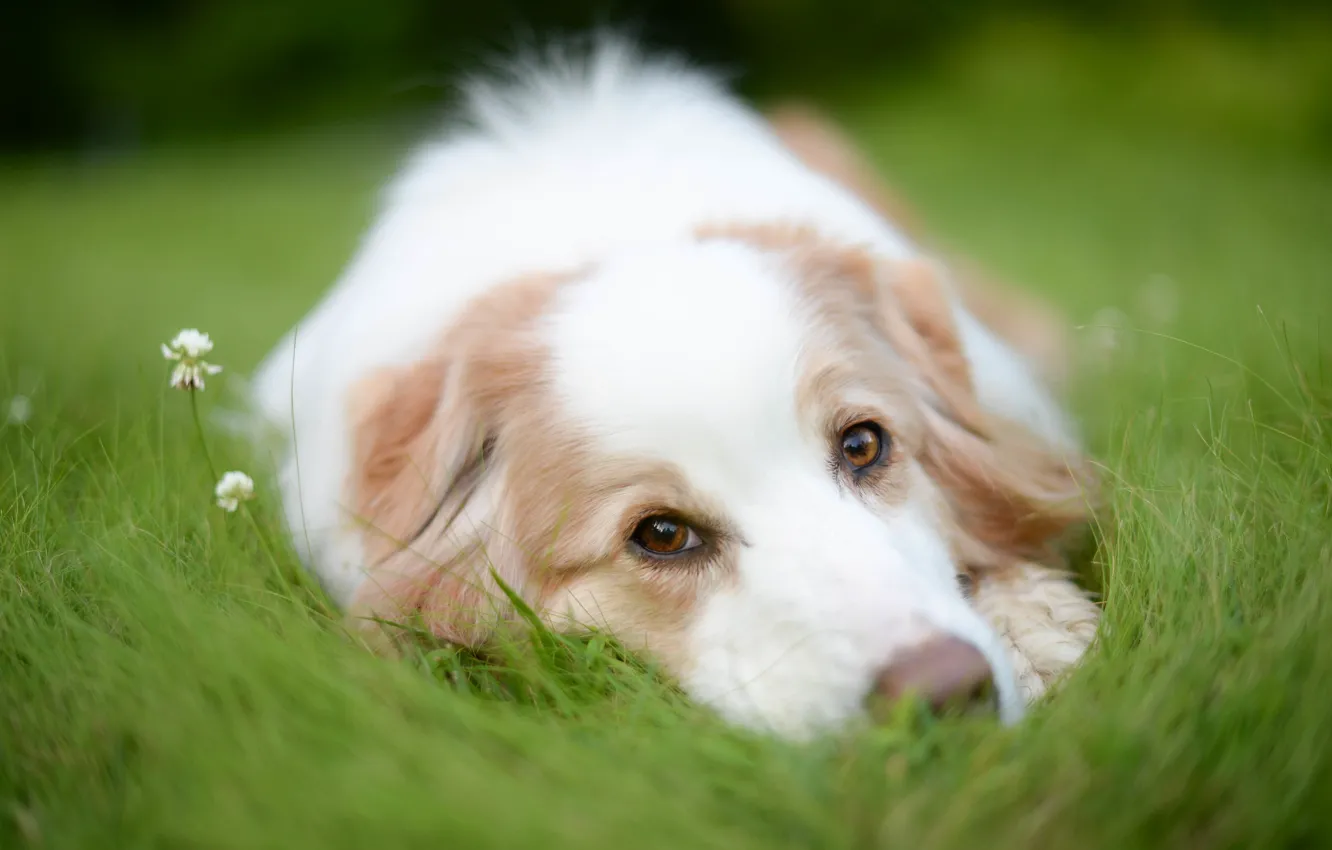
160, 685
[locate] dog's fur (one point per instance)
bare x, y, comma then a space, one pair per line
612, 291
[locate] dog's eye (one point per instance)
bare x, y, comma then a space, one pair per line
665, 535
862, 445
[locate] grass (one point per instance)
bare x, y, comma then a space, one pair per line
161, 686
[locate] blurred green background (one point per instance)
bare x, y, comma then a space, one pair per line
98, 74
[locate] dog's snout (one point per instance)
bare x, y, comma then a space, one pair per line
947, 672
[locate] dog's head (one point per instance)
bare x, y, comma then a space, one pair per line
755, 456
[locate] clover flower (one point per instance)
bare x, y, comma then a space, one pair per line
20, 410
188, 350
234, 488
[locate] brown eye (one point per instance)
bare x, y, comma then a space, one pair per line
862, 445
664, 535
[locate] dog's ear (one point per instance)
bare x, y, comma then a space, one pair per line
915, 312
429, 483
1012, 494
425, 493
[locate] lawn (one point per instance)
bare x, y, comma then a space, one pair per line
164, 683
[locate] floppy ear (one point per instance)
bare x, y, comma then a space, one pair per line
1012, 494
428, 481
425, 492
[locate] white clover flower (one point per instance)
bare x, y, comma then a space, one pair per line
190, 343
188, 349
20, 410
234, 488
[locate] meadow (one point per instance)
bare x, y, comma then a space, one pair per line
166, 681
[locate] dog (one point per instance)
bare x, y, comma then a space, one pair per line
670, 369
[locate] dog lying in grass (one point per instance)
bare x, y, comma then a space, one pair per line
669, 369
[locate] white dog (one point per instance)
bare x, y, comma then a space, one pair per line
674, 371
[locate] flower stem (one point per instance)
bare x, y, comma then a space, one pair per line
312, 596
203, 441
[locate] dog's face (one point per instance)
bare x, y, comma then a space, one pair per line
755, 458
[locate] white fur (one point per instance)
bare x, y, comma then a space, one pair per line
617, 161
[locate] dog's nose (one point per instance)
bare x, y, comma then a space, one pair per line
947, 672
